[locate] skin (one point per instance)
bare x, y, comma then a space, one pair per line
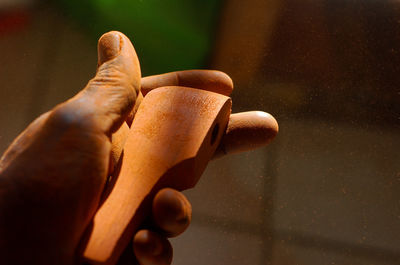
53, 174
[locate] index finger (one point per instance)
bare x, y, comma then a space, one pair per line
209, 80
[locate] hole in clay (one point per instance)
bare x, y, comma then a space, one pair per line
214, 133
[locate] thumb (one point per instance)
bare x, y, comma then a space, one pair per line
119, 77
116, 53
109, 98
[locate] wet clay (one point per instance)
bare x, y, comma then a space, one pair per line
175, 133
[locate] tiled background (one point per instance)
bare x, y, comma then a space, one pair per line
325, 192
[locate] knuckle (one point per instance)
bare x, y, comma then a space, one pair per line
67, 116
107, 98
116, 89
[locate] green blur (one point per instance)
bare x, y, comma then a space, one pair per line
168, 35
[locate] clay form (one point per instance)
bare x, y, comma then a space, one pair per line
175, 133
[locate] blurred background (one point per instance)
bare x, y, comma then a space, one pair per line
326, 191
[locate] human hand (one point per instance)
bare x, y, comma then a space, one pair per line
53, 174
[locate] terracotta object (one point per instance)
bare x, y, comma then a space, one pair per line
174, 134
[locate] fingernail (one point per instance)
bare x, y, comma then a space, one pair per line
109, 47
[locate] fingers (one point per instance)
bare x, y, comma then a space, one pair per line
151, 248
172, 212
247, 131
209, 80
110, 96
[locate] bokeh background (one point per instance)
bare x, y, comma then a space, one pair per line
326, 191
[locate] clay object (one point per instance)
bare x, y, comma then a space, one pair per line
173, 136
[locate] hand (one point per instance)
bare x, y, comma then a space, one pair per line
53, 174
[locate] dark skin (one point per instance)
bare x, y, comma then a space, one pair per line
53, 174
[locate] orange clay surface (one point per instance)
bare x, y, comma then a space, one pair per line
175, 133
